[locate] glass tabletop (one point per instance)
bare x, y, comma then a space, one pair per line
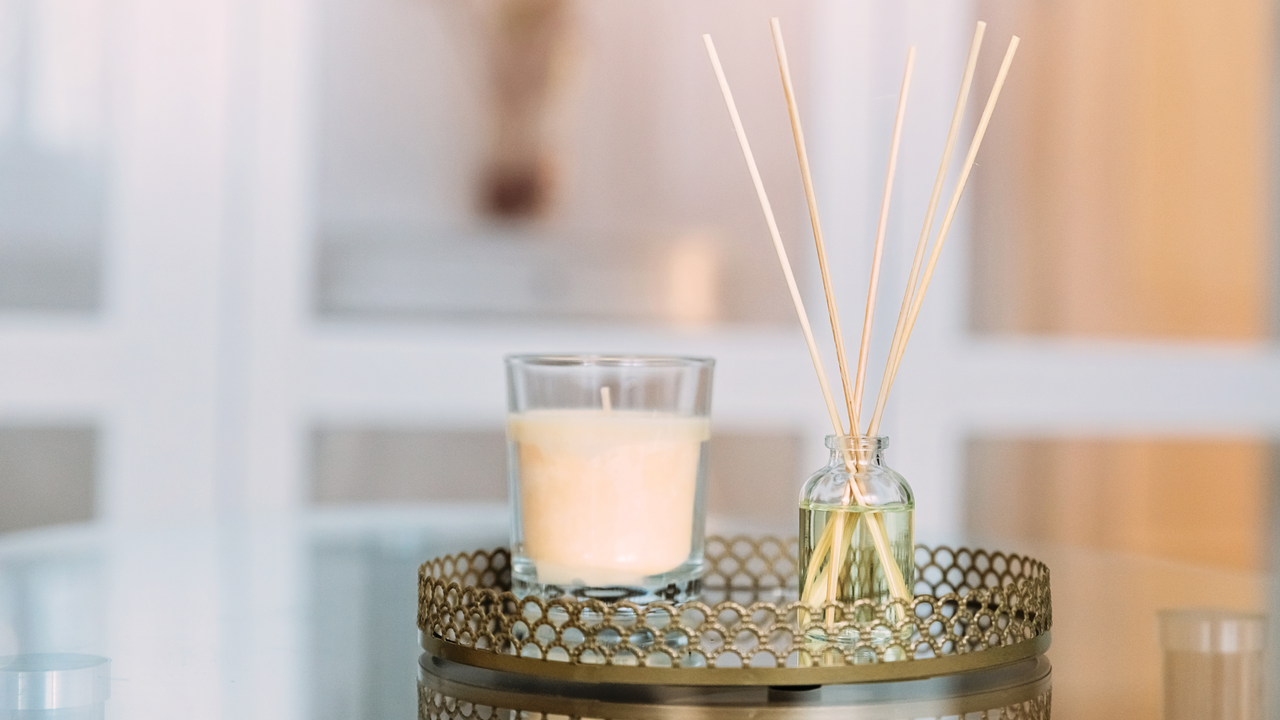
312, 616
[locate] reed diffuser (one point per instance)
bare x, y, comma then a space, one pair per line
857, 524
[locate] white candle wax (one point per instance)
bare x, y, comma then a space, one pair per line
607, 497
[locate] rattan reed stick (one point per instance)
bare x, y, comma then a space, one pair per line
784, 68
781, 251
947, 219
879, 535
851, 395
605, 401
881, 228
957, 116
893, 573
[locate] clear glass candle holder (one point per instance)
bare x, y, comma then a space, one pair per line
607, 458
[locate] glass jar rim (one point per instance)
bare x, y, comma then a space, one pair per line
857, 442
608, 360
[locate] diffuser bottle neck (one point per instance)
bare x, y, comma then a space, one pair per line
858, 475
866, 449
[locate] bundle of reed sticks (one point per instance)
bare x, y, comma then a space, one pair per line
821, 587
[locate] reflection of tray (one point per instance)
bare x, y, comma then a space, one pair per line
449, 691
976, 609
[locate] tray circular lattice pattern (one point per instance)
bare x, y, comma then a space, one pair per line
973, 609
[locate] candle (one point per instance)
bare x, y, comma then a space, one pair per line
607, 465
607, 497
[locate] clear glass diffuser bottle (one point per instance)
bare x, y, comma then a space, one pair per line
856, 525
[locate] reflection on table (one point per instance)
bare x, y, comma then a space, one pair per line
449, 691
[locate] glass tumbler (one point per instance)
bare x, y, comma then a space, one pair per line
1214, 664
607, 461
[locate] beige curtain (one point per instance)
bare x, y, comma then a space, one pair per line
1122, 193
1123, 190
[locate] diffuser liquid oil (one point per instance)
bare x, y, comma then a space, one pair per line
841, 551
860, 575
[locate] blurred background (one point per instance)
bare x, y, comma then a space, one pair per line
270, 255
262, 256
258, 255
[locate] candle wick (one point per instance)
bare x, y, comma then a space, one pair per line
604, 399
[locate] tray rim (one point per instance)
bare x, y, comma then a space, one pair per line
772, 677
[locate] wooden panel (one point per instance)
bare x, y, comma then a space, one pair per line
1202, 502
1122, 189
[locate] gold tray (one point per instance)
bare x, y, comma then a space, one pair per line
973, 610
